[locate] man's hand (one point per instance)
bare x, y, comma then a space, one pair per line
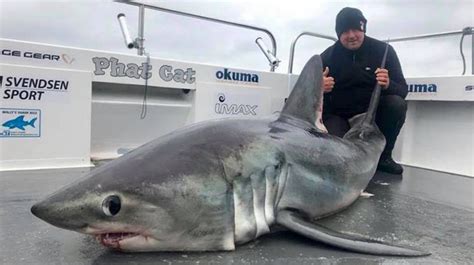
382, 77
328, 82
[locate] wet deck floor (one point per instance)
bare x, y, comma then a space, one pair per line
429, 210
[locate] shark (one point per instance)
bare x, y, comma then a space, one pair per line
217, 184
20, 123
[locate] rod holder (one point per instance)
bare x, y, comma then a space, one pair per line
272, 59
126, 34
142, 6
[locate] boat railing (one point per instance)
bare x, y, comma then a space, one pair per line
271, 55
465, 31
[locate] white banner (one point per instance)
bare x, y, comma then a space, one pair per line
44, 117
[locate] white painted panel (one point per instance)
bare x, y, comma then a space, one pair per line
439, 136
117, 121
45, 117
220, 100
441, 88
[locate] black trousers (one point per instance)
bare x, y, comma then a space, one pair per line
390, 118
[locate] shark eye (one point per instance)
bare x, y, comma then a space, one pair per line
111, 205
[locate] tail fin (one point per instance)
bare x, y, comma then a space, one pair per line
374, 100
32, 122
314, 231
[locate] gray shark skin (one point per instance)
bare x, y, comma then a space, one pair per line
220, 183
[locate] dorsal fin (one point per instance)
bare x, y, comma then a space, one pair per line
306, 94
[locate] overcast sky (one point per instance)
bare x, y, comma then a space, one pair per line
93, 24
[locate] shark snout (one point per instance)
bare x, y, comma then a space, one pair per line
36, 210
43, 211
56, 216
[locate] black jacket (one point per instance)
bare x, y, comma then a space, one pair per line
353, 73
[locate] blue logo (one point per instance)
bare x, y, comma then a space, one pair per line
422, 88
469, 88
20, 123
237, 76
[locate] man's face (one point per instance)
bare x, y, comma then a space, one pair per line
352, 39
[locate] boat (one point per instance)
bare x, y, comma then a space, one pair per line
65, 110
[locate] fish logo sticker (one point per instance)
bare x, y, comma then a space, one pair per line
20, 123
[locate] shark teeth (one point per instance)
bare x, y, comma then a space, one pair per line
113, 239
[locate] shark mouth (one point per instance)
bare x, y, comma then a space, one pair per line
112, 240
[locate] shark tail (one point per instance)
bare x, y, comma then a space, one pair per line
358, 244
374, 100
32, 122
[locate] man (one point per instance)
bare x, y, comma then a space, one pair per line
351, 70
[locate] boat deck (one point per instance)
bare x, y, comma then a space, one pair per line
429, 210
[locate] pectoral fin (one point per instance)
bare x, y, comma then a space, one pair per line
295, 223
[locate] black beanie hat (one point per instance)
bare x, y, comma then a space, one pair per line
350, 18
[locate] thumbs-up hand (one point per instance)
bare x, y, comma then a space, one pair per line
328, 81
326, 71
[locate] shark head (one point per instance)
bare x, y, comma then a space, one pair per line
13, 123
116, 218
148, 200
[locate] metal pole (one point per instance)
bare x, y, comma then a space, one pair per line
426, 36
272, 38
418, 37
293, 44
141, 30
